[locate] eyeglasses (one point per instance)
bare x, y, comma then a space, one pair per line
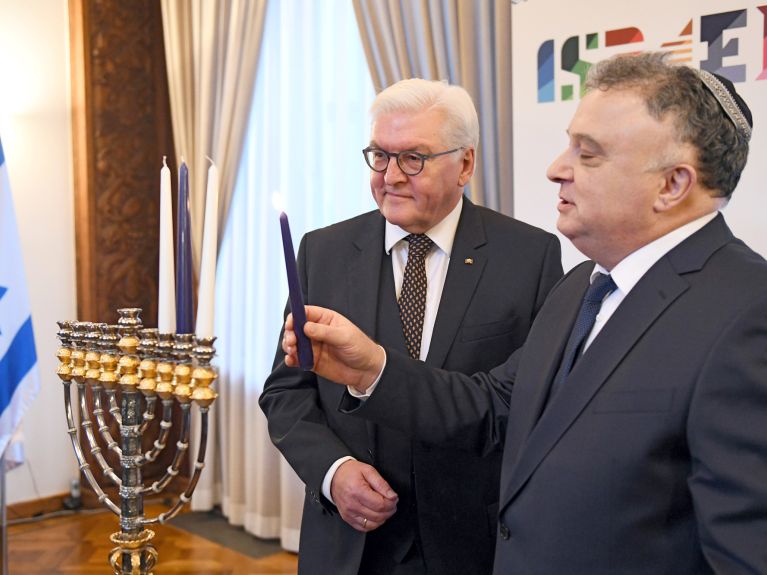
411, 163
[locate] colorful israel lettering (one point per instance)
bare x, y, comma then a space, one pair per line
574, 51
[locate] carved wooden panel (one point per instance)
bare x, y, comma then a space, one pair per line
121, 132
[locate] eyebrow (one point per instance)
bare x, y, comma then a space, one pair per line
420, 148
591, 142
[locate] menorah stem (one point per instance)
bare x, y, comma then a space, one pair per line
134, 554
131, 499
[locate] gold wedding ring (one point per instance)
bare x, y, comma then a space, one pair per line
364, 522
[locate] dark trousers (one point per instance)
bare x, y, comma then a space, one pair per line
375, 563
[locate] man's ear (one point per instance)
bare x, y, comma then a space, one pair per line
678, 182
467, 167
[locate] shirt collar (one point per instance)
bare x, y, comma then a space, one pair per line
631, 268
443, 234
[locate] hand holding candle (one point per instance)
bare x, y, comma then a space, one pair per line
305, 354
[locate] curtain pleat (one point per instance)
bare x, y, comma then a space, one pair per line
212, 53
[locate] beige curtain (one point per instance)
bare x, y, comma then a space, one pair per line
212, 53
466, 42
211, 49
301, 120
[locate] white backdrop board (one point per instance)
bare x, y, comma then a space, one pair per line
554, 42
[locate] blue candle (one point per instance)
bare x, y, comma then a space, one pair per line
305, 355
184, 289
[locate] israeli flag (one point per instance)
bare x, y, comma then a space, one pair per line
19, 381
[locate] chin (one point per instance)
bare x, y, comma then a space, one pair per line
562, 226
570, 232
396, 216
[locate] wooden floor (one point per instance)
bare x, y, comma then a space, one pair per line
79, 545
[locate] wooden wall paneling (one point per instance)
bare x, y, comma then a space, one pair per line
122, 129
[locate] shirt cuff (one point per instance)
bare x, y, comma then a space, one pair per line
329, 477
363, 396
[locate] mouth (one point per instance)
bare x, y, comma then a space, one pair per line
397, 195
563, 203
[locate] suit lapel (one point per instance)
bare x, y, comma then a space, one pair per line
651, 296
461, 281
363, 279
547, 345
363, 287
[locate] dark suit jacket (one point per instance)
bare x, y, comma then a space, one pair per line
486, 310
653, 456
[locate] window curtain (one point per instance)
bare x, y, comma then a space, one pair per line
212, 53
309, 122
466, 42
211, 50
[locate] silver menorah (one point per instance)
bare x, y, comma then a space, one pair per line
127, 370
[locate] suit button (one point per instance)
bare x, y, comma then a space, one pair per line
504, 531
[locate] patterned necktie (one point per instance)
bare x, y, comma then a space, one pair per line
598, 290
412, 297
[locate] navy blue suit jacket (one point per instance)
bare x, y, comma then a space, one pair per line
653, 456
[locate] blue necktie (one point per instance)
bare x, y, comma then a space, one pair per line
598, 290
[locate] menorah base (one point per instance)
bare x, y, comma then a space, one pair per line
134, 554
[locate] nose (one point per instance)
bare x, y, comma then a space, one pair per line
560, 170
394, 173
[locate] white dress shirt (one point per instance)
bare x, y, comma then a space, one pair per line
437, 261
630, 269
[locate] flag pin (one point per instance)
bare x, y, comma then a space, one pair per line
468, 261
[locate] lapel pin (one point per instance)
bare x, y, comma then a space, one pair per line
468, 261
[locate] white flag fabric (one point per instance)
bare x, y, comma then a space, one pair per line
19, 380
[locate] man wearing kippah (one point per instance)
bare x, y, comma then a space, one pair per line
635, 439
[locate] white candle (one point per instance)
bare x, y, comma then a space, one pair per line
207, 291
166, 301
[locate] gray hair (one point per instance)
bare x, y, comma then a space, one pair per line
415, 95
698, 118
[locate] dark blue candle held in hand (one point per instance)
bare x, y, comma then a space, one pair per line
305, 355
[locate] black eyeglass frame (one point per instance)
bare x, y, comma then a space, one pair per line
397, 155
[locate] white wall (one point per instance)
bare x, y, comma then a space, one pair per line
36, 135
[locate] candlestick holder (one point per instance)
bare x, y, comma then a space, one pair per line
145, 368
